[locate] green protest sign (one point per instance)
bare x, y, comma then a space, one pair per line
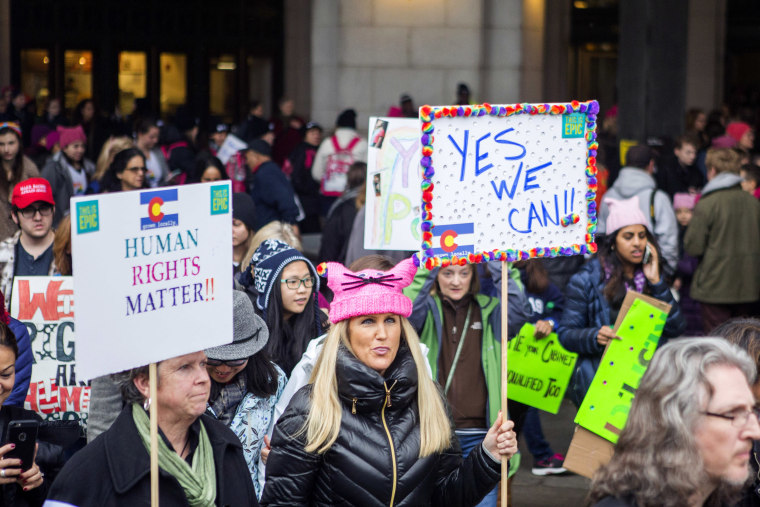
604, 410
539, 370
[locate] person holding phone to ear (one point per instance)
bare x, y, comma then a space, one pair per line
628, 259
21, 483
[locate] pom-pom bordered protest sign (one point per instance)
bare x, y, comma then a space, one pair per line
509, 182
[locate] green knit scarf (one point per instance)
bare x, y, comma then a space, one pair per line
199, 480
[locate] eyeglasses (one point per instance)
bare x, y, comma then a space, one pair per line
738, 417
295, 283
137, 169
231, 363
45, 210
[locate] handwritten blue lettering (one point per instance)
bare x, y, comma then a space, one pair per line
549, 215
503, 186
462, 151
512, 212
504, 141
479, 157
530, 177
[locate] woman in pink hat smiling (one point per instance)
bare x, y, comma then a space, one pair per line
372, 427
628, 259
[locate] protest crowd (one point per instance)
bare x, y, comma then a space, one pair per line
354, 377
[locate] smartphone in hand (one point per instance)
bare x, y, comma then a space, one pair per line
23, 434
647, 254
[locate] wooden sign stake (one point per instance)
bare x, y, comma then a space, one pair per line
153, 379
504, 352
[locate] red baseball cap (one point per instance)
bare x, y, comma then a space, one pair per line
30, 191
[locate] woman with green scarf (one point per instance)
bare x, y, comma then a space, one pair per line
200, 460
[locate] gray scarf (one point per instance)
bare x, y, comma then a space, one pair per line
225, 398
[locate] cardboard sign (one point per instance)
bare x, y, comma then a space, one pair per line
508, 182
392, 211
587, 452
45, 304
230, 146
540, 370
605, 408
151, 274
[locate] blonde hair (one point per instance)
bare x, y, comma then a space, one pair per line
272, 230
323, 422
112, 146
723, 160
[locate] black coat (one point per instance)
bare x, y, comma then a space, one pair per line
359, 467
337, 229
114, 470
751, 491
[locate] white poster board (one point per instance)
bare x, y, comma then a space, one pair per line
392, 211
508, 182
45, 305
152, 275
230, 146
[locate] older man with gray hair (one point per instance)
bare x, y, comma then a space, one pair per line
689, 432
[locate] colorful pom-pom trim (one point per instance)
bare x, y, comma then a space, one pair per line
428, 114
571, 219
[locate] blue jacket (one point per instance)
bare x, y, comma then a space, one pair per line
23, 365
587, 310
272, 195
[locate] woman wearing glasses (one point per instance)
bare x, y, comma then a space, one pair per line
245, 384
127, 172
286, 285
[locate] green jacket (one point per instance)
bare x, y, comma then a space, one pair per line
427, 318
725, 235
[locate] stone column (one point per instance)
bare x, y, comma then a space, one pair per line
298, 53
706, 45
324, 61
652, 68
556, 48
5, 42
533, 51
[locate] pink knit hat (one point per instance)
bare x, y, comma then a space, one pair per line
724, 141
684, 200
737, 129
368, 291
624, 213
70, 135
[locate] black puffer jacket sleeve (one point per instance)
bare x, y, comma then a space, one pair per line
464, 482
290, 470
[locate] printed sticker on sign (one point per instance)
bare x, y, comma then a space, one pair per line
156, 217
452, 239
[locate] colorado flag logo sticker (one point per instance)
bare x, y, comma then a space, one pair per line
157, 217
454, 239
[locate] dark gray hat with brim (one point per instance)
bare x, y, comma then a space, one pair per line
249, 332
